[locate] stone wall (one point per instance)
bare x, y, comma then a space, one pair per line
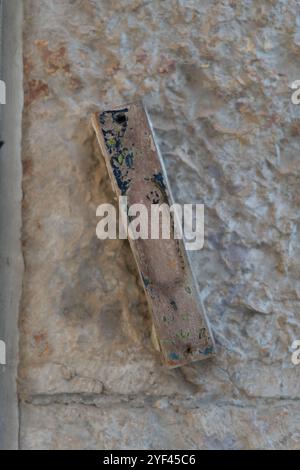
215, 77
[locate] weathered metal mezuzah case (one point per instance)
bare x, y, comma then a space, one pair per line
137, 171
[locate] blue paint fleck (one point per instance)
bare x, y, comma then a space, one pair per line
145, 280
121, 182
207, 351
129, 160
174, 356
159, 180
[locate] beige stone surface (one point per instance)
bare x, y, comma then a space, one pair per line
215, 77
210, 426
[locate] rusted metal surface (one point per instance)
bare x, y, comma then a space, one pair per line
136, 170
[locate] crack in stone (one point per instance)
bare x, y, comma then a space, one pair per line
144, 401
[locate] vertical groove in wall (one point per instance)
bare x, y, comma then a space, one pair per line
11, 261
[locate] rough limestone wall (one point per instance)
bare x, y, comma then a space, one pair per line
216, 78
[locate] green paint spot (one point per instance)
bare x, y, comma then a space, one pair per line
183, 334
168, 318
188, 290
202, 333
167, 341
120, 159
111, 141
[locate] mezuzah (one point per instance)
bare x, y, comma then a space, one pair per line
138, 176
